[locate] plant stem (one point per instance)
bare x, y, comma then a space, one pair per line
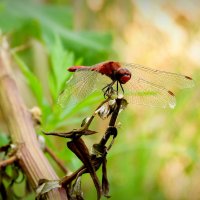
20, 125
8, 161
57, 160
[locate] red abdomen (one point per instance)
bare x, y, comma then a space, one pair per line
75, 68
106, 68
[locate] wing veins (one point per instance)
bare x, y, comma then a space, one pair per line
160, 96
159, 77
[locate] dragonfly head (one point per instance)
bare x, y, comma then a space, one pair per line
123, 75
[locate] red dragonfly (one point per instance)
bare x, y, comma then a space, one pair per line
139, 84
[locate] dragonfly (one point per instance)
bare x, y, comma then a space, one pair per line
139, 84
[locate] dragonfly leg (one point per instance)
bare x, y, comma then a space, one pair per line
108, 89
122, 87
107, 86
117, 87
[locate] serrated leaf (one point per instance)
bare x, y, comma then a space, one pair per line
60, 60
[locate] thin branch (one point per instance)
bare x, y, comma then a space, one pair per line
68, 179
21, 48
111, 130
57, 160
8, 161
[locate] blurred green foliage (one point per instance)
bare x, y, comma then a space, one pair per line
156, 152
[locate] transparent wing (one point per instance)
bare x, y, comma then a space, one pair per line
79, 86
142, 92
146, 87
165, 79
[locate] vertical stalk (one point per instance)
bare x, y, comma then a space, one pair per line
19, 122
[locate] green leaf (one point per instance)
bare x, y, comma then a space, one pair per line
8, 21
30, 29
4, 139
60, 60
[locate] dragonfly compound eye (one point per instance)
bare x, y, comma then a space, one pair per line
123, 75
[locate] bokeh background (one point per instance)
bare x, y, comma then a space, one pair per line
156, 153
